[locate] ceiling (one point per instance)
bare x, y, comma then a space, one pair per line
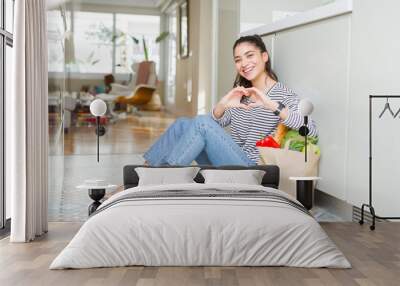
131, 3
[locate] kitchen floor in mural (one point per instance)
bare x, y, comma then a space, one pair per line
67, 203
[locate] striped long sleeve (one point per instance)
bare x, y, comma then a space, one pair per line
224, 120
295, 120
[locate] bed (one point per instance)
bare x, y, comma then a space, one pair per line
198, 224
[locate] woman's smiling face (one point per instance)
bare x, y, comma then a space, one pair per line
249, 61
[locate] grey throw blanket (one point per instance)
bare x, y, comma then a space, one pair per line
204, 194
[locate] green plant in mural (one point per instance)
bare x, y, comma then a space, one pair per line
89, 60
101, 33
159, 38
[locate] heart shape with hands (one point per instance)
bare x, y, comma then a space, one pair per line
257, 98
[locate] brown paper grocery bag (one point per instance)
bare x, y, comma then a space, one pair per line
291, 164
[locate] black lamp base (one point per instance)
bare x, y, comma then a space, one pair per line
96, 195
101, 130
304, 193
303, 130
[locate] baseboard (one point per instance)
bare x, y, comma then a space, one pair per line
5, 231
333, 205
340, 208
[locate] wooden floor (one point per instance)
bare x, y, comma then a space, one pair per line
375, 257
131, 135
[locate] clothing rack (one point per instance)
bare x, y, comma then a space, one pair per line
369, 205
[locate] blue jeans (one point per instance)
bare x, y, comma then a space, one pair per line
200, 139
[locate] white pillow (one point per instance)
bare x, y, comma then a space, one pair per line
164, 176
248, 177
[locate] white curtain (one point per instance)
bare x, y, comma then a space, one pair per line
27, 123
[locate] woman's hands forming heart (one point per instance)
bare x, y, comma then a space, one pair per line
233, 97
257, 98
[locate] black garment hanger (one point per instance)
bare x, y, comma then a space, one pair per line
397, 113
387, 107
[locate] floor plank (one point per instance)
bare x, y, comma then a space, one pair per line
375, 257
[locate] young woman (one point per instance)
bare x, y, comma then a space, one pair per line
253, 109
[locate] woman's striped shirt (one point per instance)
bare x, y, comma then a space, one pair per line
249, 126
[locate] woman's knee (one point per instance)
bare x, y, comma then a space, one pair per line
180, 125
186, 122
205, 123
204, 119
181, 121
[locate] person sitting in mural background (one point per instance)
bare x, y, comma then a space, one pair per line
252, 109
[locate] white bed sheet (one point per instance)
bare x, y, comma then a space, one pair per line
200, 231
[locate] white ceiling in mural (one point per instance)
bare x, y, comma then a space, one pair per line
133, 3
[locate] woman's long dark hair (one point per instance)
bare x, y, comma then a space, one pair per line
259, 43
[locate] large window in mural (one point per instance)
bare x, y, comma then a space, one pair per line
105, 43
93, 42
134, 33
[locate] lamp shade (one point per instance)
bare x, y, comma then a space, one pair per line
305, 107
98, 107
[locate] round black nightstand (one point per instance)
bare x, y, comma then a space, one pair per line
304, 190
97, 190
96, 195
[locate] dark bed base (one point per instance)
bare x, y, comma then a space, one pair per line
270, 179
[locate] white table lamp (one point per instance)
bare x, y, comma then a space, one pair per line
98, 108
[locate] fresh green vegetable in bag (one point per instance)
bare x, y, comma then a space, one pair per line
297, 142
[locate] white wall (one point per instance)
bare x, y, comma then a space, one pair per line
312, 60
205, 57
338, 62
185, 101
198, 67
254, 13
374, 69
228, 31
